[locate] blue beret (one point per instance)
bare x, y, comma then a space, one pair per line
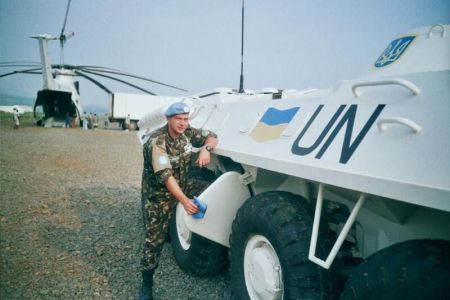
177, 108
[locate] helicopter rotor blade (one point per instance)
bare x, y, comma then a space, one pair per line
118, 72
68, 36
119, 80
29, 71
96, 69
93, 81
81, 70
62, 37
19, 63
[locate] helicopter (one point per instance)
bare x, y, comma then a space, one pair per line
60, 93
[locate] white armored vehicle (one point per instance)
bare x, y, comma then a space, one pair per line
331, 193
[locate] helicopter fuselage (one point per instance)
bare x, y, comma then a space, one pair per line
59, 96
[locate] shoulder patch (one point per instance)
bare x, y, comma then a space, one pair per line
160, 158
205, 132
163, 160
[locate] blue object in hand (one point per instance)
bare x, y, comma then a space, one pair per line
202, 207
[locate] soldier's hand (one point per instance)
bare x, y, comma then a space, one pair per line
204, 157
190, 207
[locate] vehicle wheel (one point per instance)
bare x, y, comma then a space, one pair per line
195, 254
418, 269
269, 250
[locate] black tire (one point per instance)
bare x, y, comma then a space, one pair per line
418, 269
203, 257
200, 256
284, 219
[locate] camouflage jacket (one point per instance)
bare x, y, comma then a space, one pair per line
165, 156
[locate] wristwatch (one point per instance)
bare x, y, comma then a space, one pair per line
208, 148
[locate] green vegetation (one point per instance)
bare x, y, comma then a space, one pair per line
26, 119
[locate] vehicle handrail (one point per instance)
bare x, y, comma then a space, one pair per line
398, 81
430, 32
382, 124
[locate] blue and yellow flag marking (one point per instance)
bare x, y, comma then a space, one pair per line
272, 124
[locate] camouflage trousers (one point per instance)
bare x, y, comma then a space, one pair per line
157, 209
156, 215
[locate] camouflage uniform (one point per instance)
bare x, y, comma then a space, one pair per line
164, 157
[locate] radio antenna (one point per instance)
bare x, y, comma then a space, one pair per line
241, 81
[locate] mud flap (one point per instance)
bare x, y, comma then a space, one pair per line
223, 197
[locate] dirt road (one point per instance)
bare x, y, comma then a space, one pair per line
70, 220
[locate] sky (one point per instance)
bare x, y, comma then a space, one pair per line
196, 44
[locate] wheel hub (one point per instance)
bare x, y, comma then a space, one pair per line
262, 269
184, 234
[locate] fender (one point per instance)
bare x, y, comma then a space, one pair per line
223, 197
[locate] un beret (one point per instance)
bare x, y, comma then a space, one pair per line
177, 108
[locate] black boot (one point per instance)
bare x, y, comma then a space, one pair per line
147, 285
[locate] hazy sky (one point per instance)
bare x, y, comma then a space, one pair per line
195, 44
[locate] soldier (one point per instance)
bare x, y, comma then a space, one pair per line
16, 118
90, 120
84, 119
95, 121
167, 156
127, 123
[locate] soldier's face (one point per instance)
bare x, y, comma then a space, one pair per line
178, 123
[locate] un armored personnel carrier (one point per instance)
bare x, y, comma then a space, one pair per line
333, 193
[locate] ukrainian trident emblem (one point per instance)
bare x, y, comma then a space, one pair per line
393, 52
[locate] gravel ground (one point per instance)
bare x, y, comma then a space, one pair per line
70, 220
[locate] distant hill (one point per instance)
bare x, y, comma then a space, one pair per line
6, 100
9, 100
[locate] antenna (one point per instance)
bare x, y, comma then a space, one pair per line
241, 81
